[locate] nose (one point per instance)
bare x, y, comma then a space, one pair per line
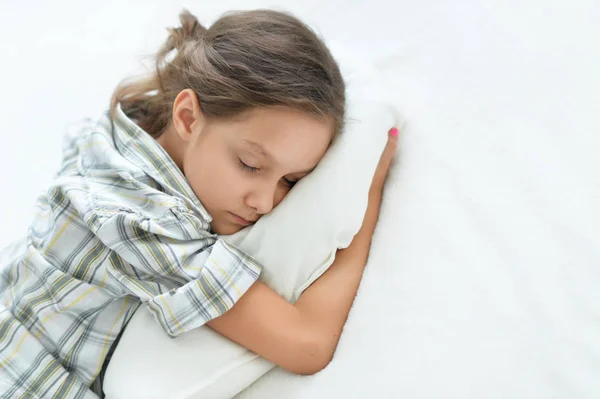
261, 199
264, 198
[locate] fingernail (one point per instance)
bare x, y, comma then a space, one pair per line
394, 132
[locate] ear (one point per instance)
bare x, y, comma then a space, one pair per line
187, 114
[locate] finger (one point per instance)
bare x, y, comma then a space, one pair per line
392, 139
390, 148
386, 157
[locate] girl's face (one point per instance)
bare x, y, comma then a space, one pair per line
241, 169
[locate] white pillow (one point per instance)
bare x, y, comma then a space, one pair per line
295, 243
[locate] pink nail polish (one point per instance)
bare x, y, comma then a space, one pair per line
394, 132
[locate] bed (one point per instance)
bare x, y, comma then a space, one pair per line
484, 275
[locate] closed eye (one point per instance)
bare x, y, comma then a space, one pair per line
247, 167
252, 169
289, 183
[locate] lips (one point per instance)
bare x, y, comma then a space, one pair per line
241, 220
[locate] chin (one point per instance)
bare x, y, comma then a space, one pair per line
225, 230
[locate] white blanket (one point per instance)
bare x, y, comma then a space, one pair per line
484, 276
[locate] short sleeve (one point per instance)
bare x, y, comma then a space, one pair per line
186, 282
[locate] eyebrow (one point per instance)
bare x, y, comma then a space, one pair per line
262, 151
257, 148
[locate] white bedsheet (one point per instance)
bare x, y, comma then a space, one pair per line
484, 277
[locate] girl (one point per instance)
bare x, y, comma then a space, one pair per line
232, 117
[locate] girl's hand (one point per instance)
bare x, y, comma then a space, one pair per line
376, 191
384, 165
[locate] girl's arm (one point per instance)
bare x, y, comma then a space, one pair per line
302, 337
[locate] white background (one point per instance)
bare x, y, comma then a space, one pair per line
484, 276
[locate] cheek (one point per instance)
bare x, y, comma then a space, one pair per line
214, 177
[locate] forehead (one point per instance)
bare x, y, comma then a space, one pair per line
285, 136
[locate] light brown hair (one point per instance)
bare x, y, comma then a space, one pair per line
244, 60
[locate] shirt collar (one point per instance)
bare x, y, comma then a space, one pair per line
144, 151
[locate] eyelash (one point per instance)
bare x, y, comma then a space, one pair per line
247, 168
252, 169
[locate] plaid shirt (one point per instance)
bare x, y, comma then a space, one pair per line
119, 226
